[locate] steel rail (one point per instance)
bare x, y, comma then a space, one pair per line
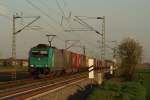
23, 91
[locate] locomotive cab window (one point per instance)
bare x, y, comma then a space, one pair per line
40, 53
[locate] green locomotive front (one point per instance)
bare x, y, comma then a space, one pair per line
40, 59
44, 59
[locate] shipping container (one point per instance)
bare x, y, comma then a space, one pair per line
83, 63
75, 61
78, 59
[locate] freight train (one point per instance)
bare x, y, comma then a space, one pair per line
44, 59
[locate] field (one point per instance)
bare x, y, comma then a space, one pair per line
7, 73
144, 75
12, 68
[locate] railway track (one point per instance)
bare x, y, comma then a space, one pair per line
30, 90
17, 83
9, 76
12, 84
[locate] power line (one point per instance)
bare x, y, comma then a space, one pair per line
40, 10
80, 36
8, 18
49, 32
55, 30
45, 5
65, 36
85, 40
60, 8
66, 5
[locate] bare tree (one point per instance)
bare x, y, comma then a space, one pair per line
130, 53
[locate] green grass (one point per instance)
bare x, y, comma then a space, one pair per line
98, 94
144, 76
113, 90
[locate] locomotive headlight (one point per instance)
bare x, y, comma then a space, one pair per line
31, 65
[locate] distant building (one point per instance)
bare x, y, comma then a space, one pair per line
10, 61
22, 62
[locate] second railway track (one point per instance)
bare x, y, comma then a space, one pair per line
29, 90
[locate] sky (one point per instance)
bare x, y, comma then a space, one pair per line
124, 18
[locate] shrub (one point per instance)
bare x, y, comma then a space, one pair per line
130, 53
111, 90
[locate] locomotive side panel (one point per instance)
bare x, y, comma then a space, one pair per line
57, 59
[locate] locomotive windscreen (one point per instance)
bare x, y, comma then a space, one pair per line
40, 53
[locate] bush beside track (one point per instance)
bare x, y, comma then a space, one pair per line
112, 90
